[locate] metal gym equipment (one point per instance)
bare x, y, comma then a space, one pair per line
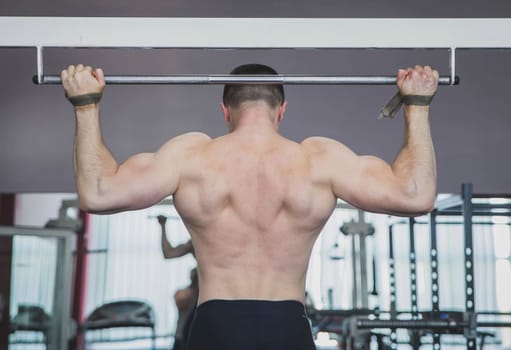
358, 231
438, 322
263, 33
353, 325
266, 33
59, 327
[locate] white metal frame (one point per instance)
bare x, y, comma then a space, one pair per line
64, 327
158, 32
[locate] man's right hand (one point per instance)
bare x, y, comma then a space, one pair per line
81, 80
422, 81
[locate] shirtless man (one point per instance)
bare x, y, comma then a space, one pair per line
253, 201
186, 301
186, 298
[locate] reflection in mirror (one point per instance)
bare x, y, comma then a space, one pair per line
32, 288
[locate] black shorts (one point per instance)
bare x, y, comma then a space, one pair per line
250, 325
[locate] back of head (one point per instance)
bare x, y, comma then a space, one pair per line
235, 94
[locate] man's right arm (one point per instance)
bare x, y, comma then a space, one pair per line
105, 186
91, 158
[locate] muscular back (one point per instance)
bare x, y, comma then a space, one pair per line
253, 201
254, 207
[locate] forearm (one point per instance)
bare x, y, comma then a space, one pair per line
92, 159
415, 165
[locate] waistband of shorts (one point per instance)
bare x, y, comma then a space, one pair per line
251, 305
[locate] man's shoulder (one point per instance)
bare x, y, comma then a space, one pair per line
325, 147
185, 143
191, 139
319, 143
194, 136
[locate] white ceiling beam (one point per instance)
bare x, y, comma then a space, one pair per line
137, 32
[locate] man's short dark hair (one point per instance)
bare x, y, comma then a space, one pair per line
236, 94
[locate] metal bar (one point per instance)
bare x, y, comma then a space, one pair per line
491, 195
495, 324
413, 269
392, 272
426, 324
483, 223
435, 287
364, 292
90, 251
494, 313
458, 212
411, 324
40, 65
450, 202
374, 278
393, 294
435, 293
429, 314
457, 223
362, 234
345, 313
220, 79
452, 63
356, 288
467, 210
255, 32
490, 206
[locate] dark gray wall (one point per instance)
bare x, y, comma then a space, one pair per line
470, 122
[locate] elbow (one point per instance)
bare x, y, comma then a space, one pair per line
85, 201
96, 199
90, 203
420, 201
89, 198
94, 203
423, 207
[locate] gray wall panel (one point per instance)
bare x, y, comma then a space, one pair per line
470, 122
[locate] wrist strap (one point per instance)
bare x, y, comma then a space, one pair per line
86, 99
417, 100
392, 107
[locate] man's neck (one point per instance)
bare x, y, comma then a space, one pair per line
255, 120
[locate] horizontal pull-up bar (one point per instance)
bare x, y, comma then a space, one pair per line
244, 79
114, 32
262, 33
